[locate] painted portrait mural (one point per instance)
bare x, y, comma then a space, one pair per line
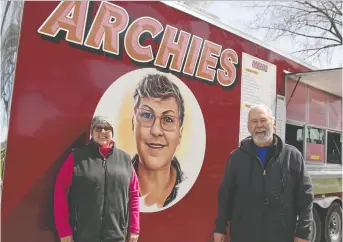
158, 121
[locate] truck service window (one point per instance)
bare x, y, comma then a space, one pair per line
315, 146
334, 148
295, 136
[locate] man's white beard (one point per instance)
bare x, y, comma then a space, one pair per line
263, 138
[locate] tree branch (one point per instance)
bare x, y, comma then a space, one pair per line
281, 6
339, 12
318, 23
310, 49
5, 14
328, 17
316, 50
297, 33
324, 29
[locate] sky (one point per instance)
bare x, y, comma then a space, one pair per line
234, 14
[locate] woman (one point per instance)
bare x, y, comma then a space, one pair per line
96, 195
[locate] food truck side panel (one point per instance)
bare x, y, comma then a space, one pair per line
58, 86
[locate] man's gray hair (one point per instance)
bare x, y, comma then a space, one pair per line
159, 86
265, 107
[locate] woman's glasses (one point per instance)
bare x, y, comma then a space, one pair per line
99, 128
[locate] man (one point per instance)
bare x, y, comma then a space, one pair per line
157, 125
266, 192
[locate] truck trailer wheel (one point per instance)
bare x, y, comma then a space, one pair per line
316, 227
332, 227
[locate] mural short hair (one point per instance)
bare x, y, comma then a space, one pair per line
159, 86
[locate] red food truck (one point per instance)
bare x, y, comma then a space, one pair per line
65, 62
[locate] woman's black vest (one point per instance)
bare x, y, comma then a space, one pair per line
99, 195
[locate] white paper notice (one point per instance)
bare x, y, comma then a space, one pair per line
281, 116
258, 86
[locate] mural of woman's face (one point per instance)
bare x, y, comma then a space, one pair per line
157, 131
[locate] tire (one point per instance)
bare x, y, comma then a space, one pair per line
316, 227
332, 227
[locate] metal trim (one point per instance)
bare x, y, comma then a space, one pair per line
325, 176
304, 143
328, 166
317, 126
307, 116
305, 126
325, 202
313, 163
285, 88
295, 122
334, 131
326, 109
326, 146
318, 70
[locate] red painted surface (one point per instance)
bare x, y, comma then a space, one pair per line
335, 112
315, 152
296, 109
317, 107
56, 90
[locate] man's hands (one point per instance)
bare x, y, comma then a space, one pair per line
67, 239
296, 239
217, 237
132, 237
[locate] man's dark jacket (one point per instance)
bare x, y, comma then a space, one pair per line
262, 203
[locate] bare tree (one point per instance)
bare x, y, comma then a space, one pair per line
10, 28
315, 27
